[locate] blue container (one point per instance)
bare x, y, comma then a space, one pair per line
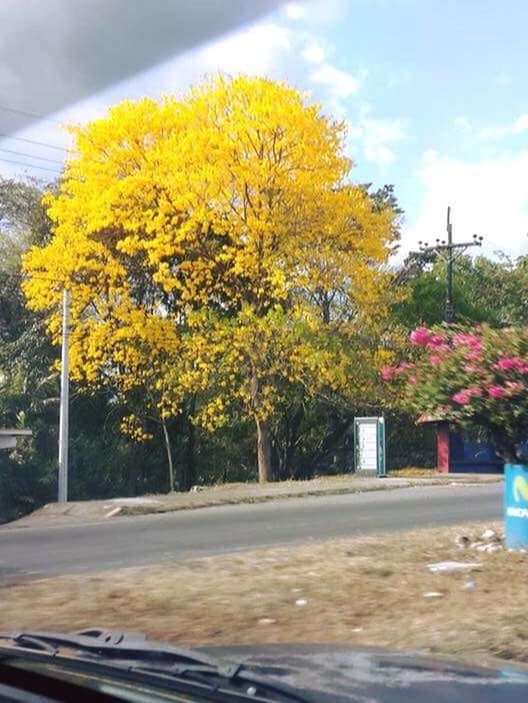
516, 506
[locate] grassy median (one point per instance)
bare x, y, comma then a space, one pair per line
372, 591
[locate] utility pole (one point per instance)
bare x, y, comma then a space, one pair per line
449, 307
64, 400
446, 250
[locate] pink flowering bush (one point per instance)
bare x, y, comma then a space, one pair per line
476, 378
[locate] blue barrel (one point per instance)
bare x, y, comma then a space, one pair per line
516, 506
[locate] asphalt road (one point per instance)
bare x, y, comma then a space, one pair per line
34, 552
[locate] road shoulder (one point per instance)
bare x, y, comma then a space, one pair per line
85, 512
377, 590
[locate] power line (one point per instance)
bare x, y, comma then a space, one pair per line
31, 156
20, 163
27, 113
33, 141
445, 249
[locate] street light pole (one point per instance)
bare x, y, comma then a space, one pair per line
64, 400
446, 250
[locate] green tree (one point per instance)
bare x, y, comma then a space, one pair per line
102, 461
28, 392
494, 291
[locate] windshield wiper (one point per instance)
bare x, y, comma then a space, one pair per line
134, 654
108, 643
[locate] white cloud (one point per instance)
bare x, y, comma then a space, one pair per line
377, 137
462, 124
313, 53
341, 84
496, 133
294, 11
398, 79
379, 154
488, 197
429, 156
319, 12
520, 124
256, 50
493, 133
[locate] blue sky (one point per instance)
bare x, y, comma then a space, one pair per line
435, 94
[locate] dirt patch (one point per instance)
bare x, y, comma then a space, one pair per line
368, 591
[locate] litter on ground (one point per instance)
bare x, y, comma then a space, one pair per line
442, 567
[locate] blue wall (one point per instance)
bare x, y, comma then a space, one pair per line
473, 457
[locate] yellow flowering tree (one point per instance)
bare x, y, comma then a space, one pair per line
214, 243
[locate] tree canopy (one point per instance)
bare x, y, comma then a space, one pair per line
194, 322
485, 290
215, 243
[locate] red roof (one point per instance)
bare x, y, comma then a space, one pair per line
427, 417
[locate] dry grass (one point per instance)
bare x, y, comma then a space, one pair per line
359, 591
415, 472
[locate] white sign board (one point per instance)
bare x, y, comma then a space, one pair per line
369, 440
367, 447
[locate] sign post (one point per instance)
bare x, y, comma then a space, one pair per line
516, 506
369, 446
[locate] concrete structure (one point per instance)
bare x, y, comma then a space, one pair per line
9, 437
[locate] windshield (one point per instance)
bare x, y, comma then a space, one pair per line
264, 327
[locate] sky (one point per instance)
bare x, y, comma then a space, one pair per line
434, 94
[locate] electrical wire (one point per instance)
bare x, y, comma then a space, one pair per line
20, 163
27, 113
33, 141
31, 156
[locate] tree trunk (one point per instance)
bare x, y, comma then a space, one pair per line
293, 441
132, 473
189, 478
169, 455
264, 461
285, 450
265, 469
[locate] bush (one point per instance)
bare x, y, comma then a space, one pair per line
474, 377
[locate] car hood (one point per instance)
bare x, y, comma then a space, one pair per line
329, 673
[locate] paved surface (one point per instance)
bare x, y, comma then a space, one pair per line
86, 511
33, 552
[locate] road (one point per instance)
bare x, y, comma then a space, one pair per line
34, 552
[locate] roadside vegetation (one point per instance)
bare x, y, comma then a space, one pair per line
201, 353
